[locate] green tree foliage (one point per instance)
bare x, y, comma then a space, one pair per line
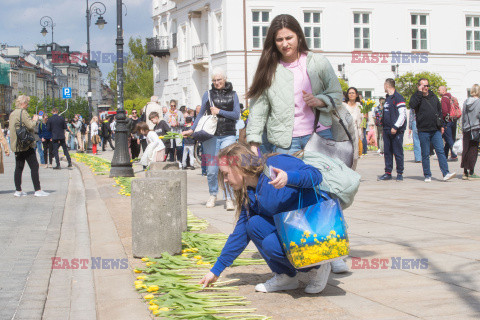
406, 84
137, 103
344, 84
75, 106
137, 72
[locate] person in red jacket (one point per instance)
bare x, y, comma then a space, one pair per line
450, 125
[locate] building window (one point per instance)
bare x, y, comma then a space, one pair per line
361, 30
183, 45
473, 33
366, 93
419, 25
311, 22
219, 27
260, 23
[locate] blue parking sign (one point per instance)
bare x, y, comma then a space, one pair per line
67, 92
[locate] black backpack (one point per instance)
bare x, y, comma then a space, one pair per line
24, 137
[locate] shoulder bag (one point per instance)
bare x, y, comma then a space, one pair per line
342, 150
207, 125
24, 137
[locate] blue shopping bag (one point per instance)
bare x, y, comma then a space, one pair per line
313, 235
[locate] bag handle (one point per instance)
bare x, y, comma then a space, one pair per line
211, 104
335, 113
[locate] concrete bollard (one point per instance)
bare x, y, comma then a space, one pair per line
159, 172
156, 222
159, 166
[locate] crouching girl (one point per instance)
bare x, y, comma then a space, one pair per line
258, 199
155, 151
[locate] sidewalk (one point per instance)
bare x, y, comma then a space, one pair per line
438, 221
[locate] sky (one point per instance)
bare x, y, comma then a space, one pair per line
20, 24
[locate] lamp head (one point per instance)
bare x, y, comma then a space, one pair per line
101, 22
44, 31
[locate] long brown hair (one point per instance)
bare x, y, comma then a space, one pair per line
271, 56
239, 157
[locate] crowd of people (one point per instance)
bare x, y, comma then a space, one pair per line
295, 96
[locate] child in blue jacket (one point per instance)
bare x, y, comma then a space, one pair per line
258, 199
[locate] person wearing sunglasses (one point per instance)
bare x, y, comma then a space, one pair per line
428, 110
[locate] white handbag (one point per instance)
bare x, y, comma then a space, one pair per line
206, 126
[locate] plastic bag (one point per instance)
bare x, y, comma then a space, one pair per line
458, 146
313, 235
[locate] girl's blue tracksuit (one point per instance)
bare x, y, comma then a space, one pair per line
257, 223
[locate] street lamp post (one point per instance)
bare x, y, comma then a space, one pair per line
47, 21
98, 9
121, 165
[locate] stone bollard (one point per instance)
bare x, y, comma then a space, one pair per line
159, 170
156, 222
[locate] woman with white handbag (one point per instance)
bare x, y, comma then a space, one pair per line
216, 121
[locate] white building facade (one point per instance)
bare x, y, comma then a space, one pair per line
366, 41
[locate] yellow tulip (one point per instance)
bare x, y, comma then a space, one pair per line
153, 307
148, 264
138, 282
141, 277
164, 309
149, 296
197, 257
153, 288
155, 312
137, 271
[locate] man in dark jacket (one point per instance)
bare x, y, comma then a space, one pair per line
394, 124
428, 110
106, 134
57, 125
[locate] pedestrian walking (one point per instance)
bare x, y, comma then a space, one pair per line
175, 120
428, 110
106, 134
378, 116
221, 101
449, 124
3, 149
188, 147
26, 153
78, 124
394, 125
57, 125
38, 143
95, 138
151, 106
134, 136
46, 137
413, 132
353, 106
72, 134
471, 133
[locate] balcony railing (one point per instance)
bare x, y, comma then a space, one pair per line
158, 46
200, 52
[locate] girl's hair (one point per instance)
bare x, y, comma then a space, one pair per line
357, 99
94, 119
270, 57
475, 91
141, 127
240, 158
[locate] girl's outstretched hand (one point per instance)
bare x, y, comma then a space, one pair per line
280, 180
209, 279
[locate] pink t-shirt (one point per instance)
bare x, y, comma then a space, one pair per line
304, 116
